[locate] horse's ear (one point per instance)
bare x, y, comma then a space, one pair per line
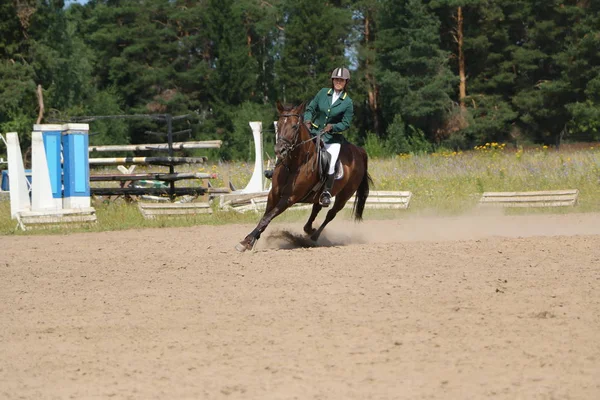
301, 107
279, 107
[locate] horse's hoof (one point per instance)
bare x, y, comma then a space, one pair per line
314, 238
309, 231
241, 247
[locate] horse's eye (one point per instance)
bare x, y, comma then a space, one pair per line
295, 126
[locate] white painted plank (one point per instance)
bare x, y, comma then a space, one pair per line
173, 206
546, 198
515, 199
532, 193
62, 212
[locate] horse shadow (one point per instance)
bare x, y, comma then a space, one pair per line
286, 240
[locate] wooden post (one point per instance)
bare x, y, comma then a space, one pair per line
40, 97
462, 88
171, 167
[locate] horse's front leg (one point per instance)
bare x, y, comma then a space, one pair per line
308, 228
270, 213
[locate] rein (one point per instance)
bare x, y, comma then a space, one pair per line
291, 145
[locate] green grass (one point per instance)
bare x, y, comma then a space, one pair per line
444, 183
452, 182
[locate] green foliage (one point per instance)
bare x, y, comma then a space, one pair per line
404, 139
585, 120
401, 139
415, 80
106, 131
396, 136
17, 92
532, 67
242, 143
11, 40
233, 79
375, 147
314, 43
17, 100
541, 63
364, 88
417, 142
491, 120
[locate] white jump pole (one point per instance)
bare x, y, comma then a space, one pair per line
256, 183
19, 192
41, 188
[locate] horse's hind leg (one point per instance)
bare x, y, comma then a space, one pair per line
340, 201
308, 228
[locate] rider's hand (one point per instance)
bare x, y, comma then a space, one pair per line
328, 128
308, 124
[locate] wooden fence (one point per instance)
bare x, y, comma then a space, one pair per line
547, 198
28, 219
257, 201
153, 210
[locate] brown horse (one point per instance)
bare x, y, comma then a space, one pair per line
296, 176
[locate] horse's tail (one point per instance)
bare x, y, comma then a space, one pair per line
363, 191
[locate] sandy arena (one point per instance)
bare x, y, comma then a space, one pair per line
416, 308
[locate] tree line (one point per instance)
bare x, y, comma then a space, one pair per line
425, 73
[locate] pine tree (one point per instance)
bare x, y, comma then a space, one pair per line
367, 108
416, 82
580, 63
476, 32
312, 45
150, 55
261, 21
39, 49
541, 33
17, 84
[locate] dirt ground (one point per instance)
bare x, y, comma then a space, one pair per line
471, 307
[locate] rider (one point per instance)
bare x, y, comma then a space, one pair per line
331, 112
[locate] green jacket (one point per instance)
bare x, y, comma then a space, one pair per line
321, 112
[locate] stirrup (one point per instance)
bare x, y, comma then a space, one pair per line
268, 173
325, 199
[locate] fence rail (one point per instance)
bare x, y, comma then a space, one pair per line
258, 201
153, 210
546, 198
77, 216
206, 144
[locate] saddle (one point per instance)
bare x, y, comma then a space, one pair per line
324, 160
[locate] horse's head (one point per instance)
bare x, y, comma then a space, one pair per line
290, 129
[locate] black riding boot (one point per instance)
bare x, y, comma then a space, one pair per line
325, 199
268, 173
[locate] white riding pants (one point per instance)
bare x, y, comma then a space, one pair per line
334, 150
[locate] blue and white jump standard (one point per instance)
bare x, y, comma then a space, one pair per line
47, 168
76, 178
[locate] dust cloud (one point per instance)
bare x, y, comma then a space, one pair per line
433, 228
